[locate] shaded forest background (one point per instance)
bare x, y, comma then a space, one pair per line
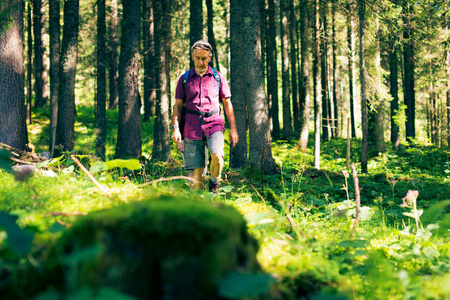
378, 71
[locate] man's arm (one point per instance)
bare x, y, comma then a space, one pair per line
228, 108
176, 116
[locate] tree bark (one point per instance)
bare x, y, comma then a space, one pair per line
129, 127
211, 38
149, 60
195, 23
55, 33
238, 154
258, 111
272, 72
326, 130
66, 96
362, 75
101, 80
316, 84
40, 58
393, 81
30, 63
161, 146
13, 126
286, 93
335, 80
304, 88
113, 57
293, 55
408, 60
351, 67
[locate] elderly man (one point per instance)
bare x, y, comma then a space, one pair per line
198, 96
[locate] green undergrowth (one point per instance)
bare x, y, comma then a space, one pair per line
303, 218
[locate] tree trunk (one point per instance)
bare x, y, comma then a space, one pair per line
408, 54
113, 70
30, 63
13, 125
238, 154
101, 80
326, 130
211, 38
195, 23
272, 72
258, 111
316, 84
294, 54
66, 96
161, 146
129, 127
55, 33
393, 80
447, 94
304, 88
149, 60
40, 58
351, 68
335, 80
286, 94
362, 75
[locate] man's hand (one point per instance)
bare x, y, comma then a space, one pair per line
234, 137
176, 137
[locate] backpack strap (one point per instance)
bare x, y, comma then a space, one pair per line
217, 77
185, 80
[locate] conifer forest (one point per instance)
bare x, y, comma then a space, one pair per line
338, 187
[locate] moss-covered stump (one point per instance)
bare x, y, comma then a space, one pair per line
156, 249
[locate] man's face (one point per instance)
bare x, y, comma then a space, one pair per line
201, 59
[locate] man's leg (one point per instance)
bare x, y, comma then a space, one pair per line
215, 144
199, 177
195, 161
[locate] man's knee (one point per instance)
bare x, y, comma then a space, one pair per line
217, 158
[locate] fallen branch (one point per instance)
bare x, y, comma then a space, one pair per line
162, 179
258, 193
90, 176
294, 227
22, 161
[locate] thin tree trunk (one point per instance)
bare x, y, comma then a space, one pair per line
272, 74
351, 68
364, 151
195, 23
393, 80
55, 34
408, 53
161, 146
286, 93
335, 80
316, 84
293, 56
211, 38
29, 62
326, 135
447, 60
113, 57
66, 96
13, 124
101, 80
238, 154
40, 58
258, 111
129, 127
304, 88
146, 24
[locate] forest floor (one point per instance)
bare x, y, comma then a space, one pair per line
303, 218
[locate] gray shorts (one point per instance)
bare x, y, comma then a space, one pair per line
194, 155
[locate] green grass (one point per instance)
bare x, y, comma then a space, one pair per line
302, 217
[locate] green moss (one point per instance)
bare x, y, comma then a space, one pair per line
166, 247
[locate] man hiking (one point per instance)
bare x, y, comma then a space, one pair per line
198, 119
